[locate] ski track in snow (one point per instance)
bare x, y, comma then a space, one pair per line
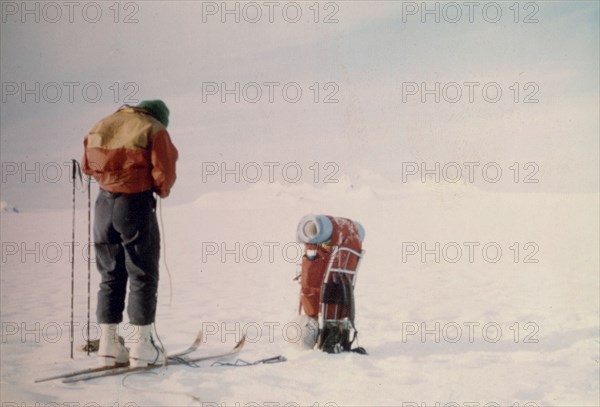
256, 294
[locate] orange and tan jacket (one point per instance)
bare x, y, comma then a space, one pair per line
130, 152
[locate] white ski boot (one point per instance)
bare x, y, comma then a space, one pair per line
143, 351
110, 350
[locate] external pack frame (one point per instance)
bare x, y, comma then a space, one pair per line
341, 276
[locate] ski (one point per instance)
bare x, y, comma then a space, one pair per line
194, 346
171, 361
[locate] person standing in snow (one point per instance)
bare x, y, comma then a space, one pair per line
131, 156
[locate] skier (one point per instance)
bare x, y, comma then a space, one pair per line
131, 156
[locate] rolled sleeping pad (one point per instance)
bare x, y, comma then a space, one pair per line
361, 231
315, 229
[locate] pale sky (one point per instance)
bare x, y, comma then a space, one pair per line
374, 60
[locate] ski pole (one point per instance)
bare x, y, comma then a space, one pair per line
73, 259
89, 251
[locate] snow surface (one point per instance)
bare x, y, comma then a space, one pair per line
552, 304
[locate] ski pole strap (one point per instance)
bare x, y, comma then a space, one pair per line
241, 362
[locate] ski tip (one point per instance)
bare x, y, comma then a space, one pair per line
241, 343
198, 340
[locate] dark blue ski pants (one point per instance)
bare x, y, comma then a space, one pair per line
127, 243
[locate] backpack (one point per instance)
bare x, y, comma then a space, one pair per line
332, 256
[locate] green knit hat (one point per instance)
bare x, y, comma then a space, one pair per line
157, 109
